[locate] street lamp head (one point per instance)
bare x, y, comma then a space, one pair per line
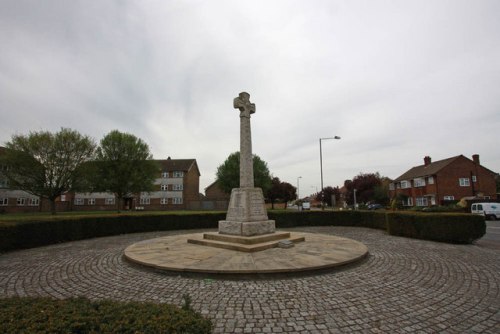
327, 138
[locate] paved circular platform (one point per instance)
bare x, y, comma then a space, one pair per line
174, 253
403, 286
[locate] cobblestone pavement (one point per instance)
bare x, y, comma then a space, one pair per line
404, 285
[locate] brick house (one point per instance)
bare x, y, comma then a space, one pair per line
215, 198
444, 181
177, 185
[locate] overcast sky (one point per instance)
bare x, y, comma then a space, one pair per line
396, 80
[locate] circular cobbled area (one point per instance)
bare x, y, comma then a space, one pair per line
403, 286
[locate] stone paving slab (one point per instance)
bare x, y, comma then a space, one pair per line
403, 286
180, 253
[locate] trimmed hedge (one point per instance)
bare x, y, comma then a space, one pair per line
28, 234
454, 228
450, 227
80, 315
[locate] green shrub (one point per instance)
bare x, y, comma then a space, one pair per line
449, 227
80, 315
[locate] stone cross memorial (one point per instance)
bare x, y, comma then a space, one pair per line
246, 214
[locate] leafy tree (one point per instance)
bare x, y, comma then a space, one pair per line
281, 191
124, 166
327, 193
228, 173
47, 164
369, 187
289, 192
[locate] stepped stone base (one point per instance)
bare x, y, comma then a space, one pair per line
246, 244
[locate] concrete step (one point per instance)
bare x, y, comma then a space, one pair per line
245, 247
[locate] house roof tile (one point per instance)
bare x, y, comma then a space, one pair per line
171, 165
423, 170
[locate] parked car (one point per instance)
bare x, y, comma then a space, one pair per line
375, 206
490, 211
306, 206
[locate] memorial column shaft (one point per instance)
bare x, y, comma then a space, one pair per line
246, 157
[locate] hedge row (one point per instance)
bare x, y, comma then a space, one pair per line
454, 228
80, 315
28, 234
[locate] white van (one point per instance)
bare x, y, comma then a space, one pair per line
490, 211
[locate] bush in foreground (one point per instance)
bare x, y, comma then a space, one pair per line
80, 315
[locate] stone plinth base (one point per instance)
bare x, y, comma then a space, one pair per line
246, 228
246, 205
246, 244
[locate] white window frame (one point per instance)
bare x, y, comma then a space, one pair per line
178, 187
79, 201
430, 180
34, 202
145, 200
164, 187
449, 198
21, 201
474, 178
91, 201
164, 175
405, 184
177, 174
164, 201
408, 202
419, 182
421, 201
109, 201
4, 201
464, 182
177, 200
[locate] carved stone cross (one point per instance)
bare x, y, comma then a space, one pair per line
242, 102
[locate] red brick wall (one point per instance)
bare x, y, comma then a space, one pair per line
214, 193
448, 180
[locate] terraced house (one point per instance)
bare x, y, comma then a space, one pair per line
444, 181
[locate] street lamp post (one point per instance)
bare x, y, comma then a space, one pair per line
321, 168
355, 204
298, 192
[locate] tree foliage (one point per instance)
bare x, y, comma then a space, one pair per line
369, 187
228, 173
124, 165
326, 195
47, 164
281, 191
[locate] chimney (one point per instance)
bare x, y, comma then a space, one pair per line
427, 160
475, 158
